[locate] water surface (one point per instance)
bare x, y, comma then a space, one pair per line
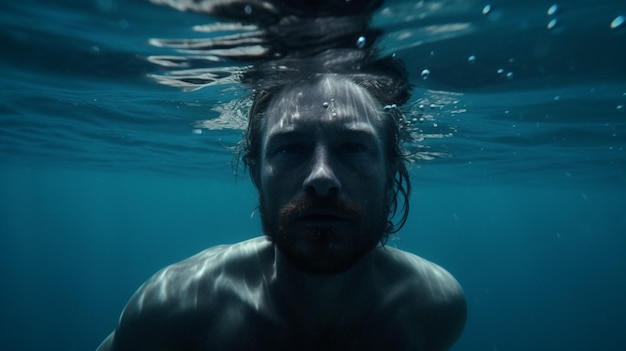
106, 175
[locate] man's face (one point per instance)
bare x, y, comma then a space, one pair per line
323, 185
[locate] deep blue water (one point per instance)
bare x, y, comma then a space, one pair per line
104, 178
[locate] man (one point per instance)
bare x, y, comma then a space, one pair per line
324, 155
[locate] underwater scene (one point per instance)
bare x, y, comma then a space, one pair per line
120, 122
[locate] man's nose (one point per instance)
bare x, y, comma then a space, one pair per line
322, 179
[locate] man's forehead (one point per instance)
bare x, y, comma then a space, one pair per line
328, 99
309, 93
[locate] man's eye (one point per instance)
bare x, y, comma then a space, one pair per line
352, 148
290, 149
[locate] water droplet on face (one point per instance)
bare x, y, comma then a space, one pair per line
247, 9
486, 9
617, 22
552, 23
425, 73
471, 59
553, 9
388, 108
360, 43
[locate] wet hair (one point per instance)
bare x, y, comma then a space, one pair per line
386, 80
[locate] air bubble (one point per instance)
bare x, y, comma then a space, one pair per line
620, 108
509, 75
617, 22
552, 23
360, 43
325, 104
425, 73
553, 9
247, 9
486, 9
471, 59
500, 70
387, 108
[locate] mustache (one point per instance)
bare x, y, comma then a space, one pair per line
298, 208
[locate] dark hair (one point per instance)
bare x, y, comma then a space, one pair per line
391, 88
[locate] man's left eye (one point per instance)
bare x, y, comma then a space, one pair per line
352, 148
289, 149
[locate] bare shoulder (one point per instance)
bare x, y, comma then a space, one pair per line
187, 295
431, 279
430, 298
197, 277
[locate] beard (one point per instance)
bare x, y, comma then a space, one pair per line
323, 249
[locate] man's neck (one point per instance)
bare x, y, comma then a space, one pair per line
318, 297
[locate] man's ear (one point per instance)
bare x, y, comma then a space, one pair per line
254, 176
389, 190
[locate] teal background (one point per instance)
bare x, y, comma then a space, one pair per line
542, 266
105, 178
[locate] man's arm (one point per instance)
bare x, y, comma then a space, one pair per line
430, 306
447, 316
183, 304
106, 344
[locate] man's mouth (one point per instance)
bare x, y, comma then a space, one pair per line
323, 218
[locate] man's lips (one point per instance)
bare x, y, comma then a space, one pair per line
323, 217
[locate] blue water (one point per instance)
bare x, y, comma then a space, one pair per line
105, 176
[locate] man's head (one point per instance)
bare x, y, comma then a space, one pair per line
324, 154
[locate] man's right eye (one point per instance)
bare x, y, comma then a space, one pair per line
289, 149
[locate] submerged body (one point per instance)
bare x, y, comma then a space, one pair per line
248, 297
322, 156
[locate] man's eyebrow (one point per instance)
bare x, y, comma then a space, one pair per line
286, 134
352, 129
356, 129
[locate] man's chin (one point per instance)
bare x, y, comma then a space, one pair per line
321, 252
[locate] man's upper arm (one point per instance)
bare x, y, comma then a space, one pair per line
106, 344
141, 327
159, 316
452, 315
447, 310
432, 302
